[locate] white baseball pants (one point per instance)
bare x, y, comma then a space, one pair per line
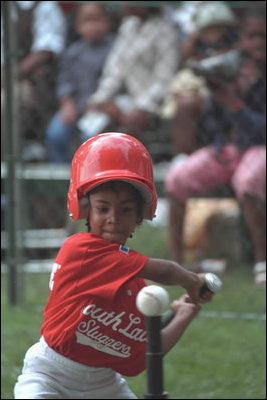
48, 375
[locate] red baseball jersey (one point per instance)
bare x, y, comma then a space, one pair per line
91, 315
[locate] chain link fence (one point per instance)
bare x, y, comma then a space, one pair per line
38, 46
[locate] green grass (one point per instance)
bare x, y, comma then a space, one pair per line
215, 359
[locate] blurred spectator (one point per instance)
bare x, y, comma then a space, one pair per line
215, 33
231, 116
138, 71
79, 70
41, 39
41, 31
182, 16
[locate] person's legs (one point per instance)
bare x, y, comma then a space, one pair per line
118, 389
176, 227
249, 185
58, 136
49, 375
37, 386
201, 172
255, 217
34, 382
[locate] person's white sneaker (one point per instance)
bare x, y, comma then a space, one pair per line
260, 273
213, 265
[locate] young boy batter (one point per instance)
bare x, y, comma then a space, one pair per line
92, 332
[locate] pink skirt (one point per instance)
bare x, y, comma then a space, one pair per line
206, 170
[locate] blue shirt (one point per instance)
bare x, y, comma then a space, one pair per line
80, 67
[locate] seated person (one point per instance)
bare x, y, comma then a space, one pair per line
215, 32
232, 117
41, 34
138, 71
79, 70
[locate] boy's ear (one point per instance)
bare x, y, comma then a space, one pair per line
84, 204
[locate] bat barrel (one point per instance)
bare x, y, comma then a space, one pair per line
154, 360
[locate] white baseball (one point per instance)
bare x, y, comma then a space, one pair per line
152, 300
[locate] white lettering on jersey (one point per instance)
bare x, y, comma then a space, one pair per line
52, 275
89, 332
94, 338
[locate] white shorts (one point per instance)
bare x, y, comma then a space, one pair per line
48, 375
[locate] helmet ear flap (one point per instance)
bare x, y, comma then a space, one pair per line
78, 207
73, 203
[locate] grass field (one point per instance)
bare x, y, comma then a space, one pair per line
219, 357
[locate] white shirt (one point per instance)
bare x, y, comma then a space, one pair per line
143, 61
49, 26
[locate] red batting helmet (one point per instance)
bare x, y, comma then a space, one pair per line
107, 157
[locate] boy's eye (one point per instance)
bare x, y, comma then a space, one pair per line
123, 210
102, 209
127, 209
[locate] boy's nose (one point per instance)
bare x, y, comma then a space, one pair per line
113, 216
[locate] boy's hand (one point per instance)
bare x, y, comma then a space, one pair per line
200, 293
186, 306
68, 112
109, 108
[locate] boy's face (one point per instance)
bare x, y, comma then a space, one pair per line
92, 22
113, 214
